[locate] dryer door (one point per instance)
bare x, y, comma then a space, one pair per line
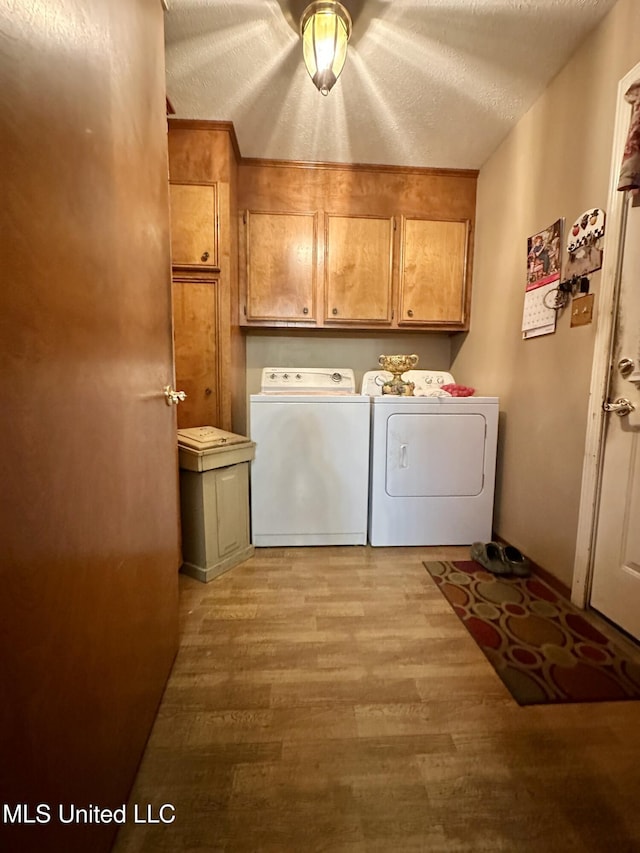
435, 455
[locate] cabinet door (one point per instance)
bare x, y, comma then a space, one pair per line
433, 272
358, 268
281, 266
196, 353
232, 508
194, 226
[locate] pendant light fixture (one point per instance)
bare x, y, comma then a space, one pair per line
325, 28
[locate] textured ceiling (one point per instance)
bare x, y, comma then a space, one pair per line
432, 83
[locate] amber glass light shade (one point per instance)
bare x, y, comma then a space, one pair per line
325, 28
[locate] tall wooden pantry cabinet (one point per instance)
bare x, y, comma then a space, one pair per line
209, 346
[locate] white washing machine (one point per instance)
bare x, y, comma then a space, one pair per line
310, 475
433, 460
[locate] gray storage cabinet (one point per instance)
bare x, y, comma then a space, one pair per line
214, 500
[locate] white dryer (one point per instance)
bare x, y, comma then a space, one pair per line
433, 460
310, 475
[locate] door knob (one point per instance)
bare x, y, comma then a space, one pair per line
173, 397
621, 406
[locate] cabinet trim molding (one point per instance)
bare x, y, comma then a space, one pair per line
361, 167
206, 124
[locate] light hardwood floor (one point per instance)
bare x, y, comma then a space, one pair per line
328, 699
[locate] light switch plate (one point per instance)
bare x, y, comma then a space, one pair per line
582, 310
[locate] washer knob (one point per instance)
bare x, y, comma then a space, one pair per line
337, 377
285, 375
272, 376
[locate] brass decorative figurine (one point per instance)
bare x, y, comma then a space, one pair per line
397, 365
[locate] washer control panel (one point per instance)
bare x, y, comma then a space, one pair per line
308, 380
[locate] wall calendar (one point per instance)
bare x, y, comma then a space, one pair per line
543, 275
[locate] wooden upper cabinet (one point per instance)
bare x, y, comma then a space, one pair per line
195, 318
281, 266
358, 268
194, 226
433, 287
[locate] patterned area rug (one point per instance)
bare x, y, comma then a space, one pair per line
542, 648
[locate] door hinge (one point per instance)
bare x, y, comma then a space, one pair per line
244, 217
244, 308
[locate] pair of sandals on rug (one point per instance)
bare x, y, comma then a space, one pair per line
500, 559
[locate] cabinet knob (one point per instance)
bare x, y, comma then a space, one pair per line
204, 256
335, 311
305, 310
409, 313
207, 391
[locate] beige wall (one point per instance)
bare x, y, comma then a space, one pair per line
555, 163
357, 352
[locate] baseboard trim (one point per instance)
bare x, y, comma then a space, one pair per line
208, 574
544, 575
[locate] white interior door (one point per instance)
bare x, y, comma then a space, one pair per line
615, 589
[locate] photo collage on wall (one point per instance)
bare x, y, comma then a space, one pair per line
584, 244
